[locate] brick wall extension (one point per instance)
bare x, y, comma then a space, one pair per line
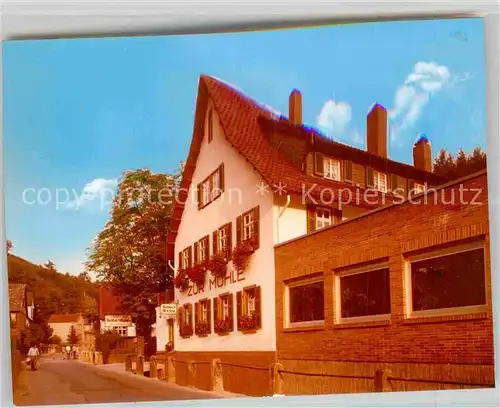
390, 233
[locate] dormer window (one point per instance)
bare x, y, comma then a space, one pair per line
211, 188
210, 125
331, 169
380, 181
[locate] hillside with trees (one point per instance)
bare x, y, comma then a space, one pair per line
54, 292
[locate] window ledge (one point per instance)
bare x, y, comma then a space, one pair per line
186, 336
223, 333
446, 318
316, 327
202, 334
355, 325
248, 331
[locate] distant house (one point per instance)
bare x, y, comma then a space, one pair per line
61, 325
21, 306
111, 314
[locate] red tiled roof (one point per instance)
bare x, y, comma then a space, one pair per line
64, 318
109, 302
241, 119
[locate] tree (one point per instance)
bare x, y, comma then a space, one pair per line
128, 254
9, 246
464, 164
55, 339
73, 337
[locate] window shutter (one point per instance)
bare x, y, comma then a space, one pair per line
190, 314
190, 256
229, 232
196, 312
369, 177
179, 265
216, 309
196, 253
207, 247
411, 186
256, 227
258, 307
199, 192
238, 229
215, 242
394, 182
181, 318
319, 168
221, 177
311, 219
209, 311
348, 171
239, 305
231, 313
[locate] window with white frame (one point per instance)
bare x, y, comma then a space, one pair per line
248, 225
206, 193
418, 188
363, 294
225, 307
211, 188
185, 258
304, 303
380, 181
323, 218
215, 186
447, 281
120, 330
223, 239
204, 311
331, 169
202, 249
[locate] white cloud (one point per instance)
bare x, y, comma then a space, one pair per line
334, 117
101, 190
411, 98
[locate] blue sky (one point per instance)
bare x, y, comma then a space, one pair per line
77, 113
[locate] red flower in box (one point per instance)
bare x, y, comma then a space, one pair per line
202, 328
218, 265
241, 254
181, 281
223, 326
196, 273
248, 322
186, 330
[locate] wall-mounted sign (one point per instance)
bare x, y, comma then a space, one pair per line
117, 319
168, 310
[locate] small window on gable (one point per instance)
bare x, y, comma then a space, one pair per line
211, 188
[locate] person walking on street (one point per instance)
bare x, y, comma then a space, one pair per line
68, 351
33, 354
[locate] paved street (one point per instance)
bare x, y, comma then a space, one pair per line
72, 382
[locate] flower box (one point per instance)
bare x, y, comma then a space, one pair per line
223, 326
202, 328
248, 322
197, 273
217, 265
241, 254
186, 330
181, 281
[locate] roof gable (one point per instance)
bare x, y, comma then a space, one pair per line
65, 318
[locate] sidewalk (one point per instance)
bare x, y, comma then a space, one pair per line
119, 369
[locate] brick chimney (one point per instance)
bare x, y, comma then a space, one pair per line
295, 107
376, 131
422, 153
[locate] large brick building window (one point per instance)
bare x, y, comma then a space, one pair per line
304, 302
363, 294
449, 281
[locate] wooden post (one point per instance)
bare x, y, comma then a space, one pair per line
170, 368
140, 365
217, 377
277, 379
382, 383
128, 363
153, 368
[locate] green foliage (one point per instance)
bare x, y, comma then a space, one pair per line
464, 164
55, 339
105, 343
73, 337
128, 253
31, 335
